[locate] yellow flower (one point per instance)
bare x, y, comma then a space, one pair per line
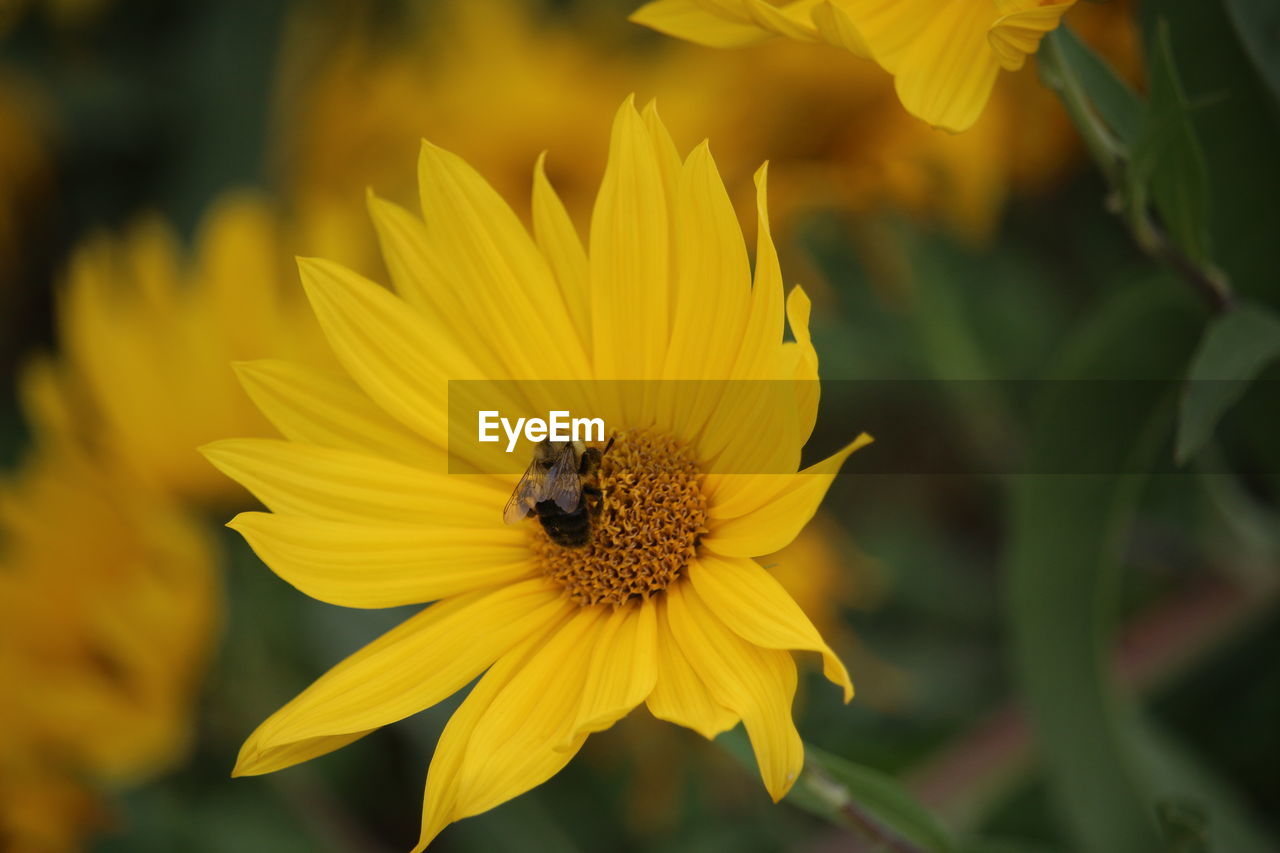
147, 339
107, 603
666, 606
42, 810
944, 55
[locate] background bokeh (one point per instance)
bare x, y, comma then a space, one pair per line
162, 163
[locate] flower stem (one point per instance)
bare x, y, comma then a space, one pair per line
1126, 199
841, 803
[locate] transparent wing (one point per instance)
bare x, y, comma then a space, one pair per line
520, 504
563, 484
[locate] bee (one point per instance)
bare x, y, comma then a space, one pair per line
561, 487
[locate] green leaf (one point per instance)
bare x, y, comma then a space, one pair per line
1112, 99
1063, 562
1167, 164
863, 799
1235, 349
1258, 26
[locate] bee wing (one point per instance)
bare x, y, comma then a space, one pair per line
526, 494
563, 484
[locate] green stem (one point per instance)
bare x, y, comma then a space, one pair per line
1129, 202
841, 803
1103, 146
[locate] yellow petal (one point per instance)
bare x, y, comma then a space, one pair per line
387, 348
751, 602
790, 20
254, 763
560, 245
756, 684
358, 565
1020, 29
692, 21
710, 301
506, 736
763, 334
664, 148
946, 75
495, 264
425, 283
630, 281
317, 407
713, 277
622, 671
337, 485
412, 667
838, 29
768, 510
805, 359
889, 29
680, 695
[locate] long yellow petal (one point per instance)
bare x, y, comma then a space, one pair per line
710, 302
763, 334
440, 798
498, 268
756, 684
358, 565
713, 278
680, 695
692, 21
768, 510
560, 245
337, 485
387, 348
412, 667
622, 671
506, 736
664, 148
318, 407
751, 601
630, 281
423, 280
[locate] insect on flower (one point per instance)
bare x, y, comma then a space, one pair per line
560, 486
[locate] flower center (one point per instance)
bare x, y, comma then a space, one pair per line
647, 530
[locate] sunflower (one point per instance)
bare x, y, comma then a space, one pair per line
147, 335
107, 631
666, 606
944, 55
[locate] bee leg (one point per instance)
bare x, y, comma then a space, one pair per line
589, 462
596, 496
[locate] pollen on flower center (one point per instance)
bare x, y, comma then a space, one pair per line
654, 512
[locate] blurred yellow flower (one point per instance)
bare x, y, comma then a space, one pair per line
499, 85
147, 337
944, 55
665, 606
108, 605
43, 809
485, 78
